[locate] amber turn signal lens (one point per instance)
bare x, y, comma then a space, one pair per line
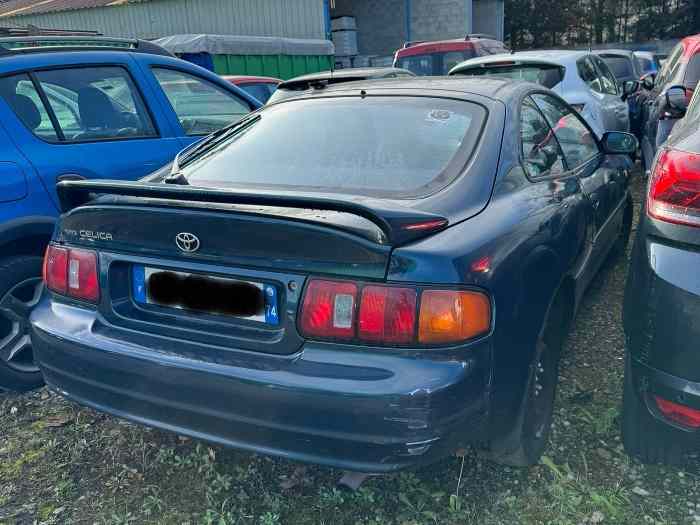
452, 316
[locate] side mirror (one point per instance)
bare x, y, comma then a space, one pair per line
619, 143
676, 99
648, 81
629, 87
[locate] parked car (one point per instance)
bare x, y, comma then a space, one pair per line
579, 77
438, 57
259, 87
627, 67
661, 405
648, 61
300, 85
370, 300
682, 68
73, 108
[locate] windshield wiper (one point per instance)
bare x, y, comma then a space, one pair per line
210, 142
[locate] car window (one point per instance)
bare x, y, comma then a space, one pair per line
201, 106
542, 155
260, 90
621, 66
82, 101
545, 75
607, 79
21, 95
389, 146
692, 72
421, 65
645, 65
693, 113
451, 58
576, 140
671, 66
589, 74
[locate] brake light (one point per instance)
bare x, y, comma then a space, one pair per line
72, 272
387, 314
390, 315
674, 189
684, 415
449, 316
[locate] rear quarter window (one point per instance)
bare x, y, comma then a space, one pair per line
377, 146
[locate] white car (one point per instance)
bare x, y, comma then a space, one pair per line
579, 77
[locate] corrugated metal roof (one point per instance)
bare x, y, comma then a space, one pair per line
34, 7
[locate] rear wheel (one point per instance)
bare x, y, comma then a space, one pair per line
20, 290
525, 446
643, 436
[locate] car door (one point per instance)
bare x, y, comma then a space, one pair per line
615, 110
196, 102
604, 179
87, 121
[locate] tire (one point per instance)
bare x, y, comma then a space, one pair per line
643, 436
526, 444
20, 290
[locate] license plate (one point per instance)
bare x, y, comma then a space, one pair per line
251, 300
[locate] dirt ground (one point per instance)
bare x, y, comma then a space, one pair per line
61, 463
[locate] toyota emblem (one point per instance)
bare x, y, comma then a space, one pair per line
187, 242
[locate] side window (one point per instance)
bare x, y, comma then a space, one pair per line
542, 155
607, 79
671, 66
200, 106
576, 140
21, 95
588, 74
451, 58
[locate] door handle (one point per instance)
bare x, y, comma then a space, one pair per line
69, 177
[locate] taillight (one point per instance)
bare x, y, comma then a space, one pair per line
674, 188
684, 415
72, 272
392, 315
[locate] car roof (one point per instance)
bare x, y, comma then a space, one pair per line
614, 52
343, 76
463, 87
33, 45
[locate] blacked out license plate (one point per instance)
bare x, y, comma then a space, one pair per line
251, 300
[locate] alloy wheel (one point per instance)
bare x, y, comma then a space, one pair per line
15, 344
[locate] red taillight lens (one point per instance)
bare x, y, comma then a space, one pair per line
72, 272
684, 415
674, 189
387, 314
329, 309
56, 269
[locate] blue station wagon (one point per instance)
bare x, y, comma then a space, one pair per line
76, 108
371, 299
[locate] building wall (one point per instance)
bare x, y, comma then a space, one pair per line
285, 18
438, 19
488, 17
381, 24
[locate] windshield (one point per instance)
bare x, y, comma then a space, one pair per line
545, 75
378, 146
621, 66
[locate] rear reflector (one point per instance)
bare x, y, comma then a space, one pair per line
450, 316
674, 189
686, 416
389, 315
72, 272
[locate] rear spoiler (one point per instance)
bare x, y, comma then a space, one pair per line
399, 223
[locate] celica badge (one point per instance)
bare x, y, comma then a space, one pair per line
187, 242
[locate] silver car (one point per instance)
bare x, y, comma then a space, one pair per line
579, 77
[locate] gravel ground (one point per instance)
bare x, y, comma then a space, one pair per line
61, 463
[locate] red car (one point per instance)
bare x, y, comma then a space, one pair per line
437, 58
260, 87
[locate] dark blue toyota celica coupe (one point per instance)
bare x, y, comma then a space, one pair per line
368, 276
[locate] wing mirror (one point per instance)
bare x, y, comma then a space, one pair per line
629, 88
619, 143
677, 99
648, 81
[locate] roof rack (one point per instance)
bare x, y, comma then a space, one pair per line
31, 30
60, 42
479, 35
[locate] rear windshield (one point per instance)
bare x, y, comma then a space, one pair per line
434, 63
544, 75
621, 67
378, 146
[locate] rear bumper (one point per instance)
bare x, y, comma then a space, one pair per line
327, 404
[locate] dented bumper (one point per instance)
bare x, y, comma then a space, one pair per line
371, 410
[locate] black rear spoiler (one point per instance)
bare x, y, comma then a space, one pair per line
399, 223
